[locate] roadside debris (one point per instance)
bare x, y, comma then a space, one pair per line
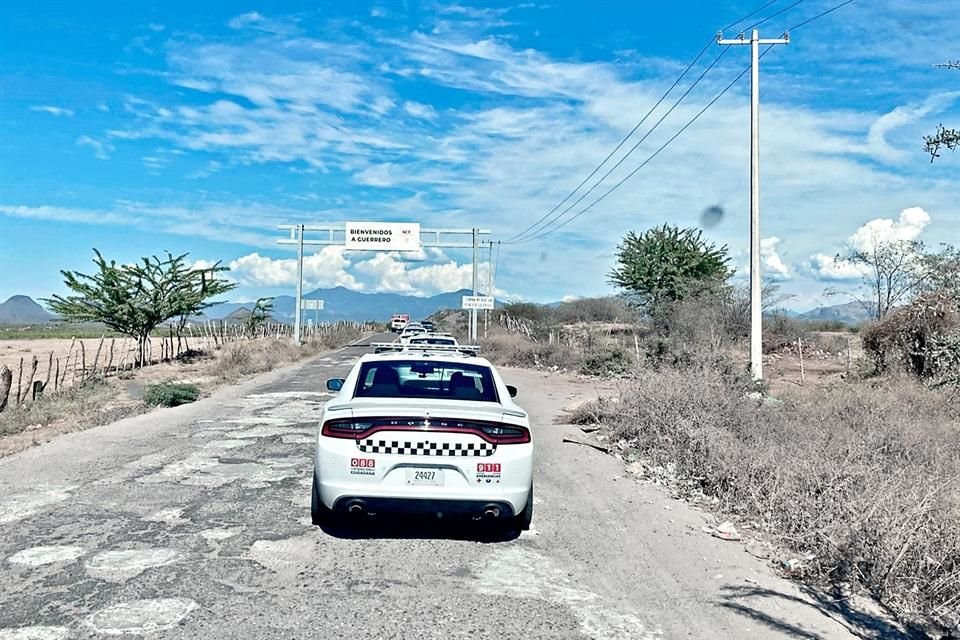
725, 531
598, 447
589, 429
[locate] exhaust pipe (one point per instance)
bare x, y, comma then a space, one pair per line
356, 508
491, 513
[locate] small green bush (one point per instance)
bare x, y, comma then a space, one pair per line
171, 394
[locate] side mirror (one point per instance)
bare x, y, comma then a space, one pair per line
512, 390
335, 384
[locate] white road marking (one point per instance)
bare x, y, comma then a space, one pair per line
23, 505
39, 556
35, 633
520, 572
119, 566
142, 616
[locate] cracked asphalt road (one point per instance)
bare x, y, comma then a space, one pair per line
194, 523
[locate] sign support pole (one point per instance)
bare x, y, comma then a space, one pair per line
473, 312
297, 328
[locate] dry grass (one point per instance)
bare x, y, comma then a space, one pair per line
102, 401
90, 404
864, 478
240, 359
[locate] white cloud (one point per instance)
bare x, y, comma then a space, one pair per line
378, 175
101, 149
878, 145
382, 105
54, 111
830, 268
419, 110
245, 20
773, 265
326, 268
389, 273
877, 232
153, 26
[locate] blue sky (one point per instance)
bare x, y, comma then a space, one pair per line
199, 127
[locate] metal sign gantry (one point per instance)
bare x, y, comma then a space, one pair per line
439, 238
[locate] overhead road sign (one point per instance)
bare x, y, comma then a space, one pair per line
382, 236
312, 303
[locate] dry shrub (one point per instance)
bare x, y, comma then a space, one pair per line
512, 350
864, 478
922, 338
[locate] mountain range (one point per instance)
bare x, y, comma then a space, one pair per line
341, 303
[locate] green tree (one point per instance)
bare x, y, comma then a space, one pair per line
943, 137
134, 299
259, 315
667, 264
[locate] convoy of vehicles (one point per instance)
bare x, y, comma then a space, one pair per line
424, 427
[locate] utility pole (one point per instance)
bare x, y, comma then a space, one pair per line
297, 327
486, 312
756, 313
473, 312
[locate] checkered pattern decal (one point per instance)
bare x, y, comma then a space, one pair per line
453, 449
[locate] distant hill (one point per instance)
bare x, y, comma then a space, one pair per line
854, 312
341, 303
23, 310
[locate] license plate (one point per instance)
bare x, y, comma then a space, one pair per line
429, 477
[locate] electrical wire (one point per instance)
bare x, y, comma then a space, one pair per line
819, 15
545, 231
774, 15
536, 226
643, 138
532, 227
649, 158
750, 15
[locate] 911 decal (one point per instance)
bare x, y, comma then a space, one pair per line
363, 466
488, 472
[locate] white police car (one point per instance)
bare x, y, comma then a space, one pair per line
429, 430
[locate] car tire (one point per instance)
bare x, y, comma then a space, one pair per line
525, 517
320, 514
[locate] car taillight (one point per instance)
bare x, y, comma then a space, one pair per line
345, 428
506, 433
493, 432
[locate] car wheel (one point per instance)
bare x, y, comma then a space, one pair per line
319, 513
525, 517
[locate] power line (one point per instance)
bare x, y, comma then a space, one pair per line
628, 154
546, 231
532, 227
819, 15
774, 15
649, 158
750, 15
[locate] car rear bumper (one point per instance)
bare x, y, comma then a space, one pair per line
473, 508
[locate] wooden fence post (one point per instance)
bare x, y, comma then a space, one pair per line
16, 401
6, 381
96, 358
33, 371
83, 363
49, 370
800, 351
56, 377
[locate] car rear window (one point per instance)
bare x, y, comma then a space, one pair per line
440, 341
426, 379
